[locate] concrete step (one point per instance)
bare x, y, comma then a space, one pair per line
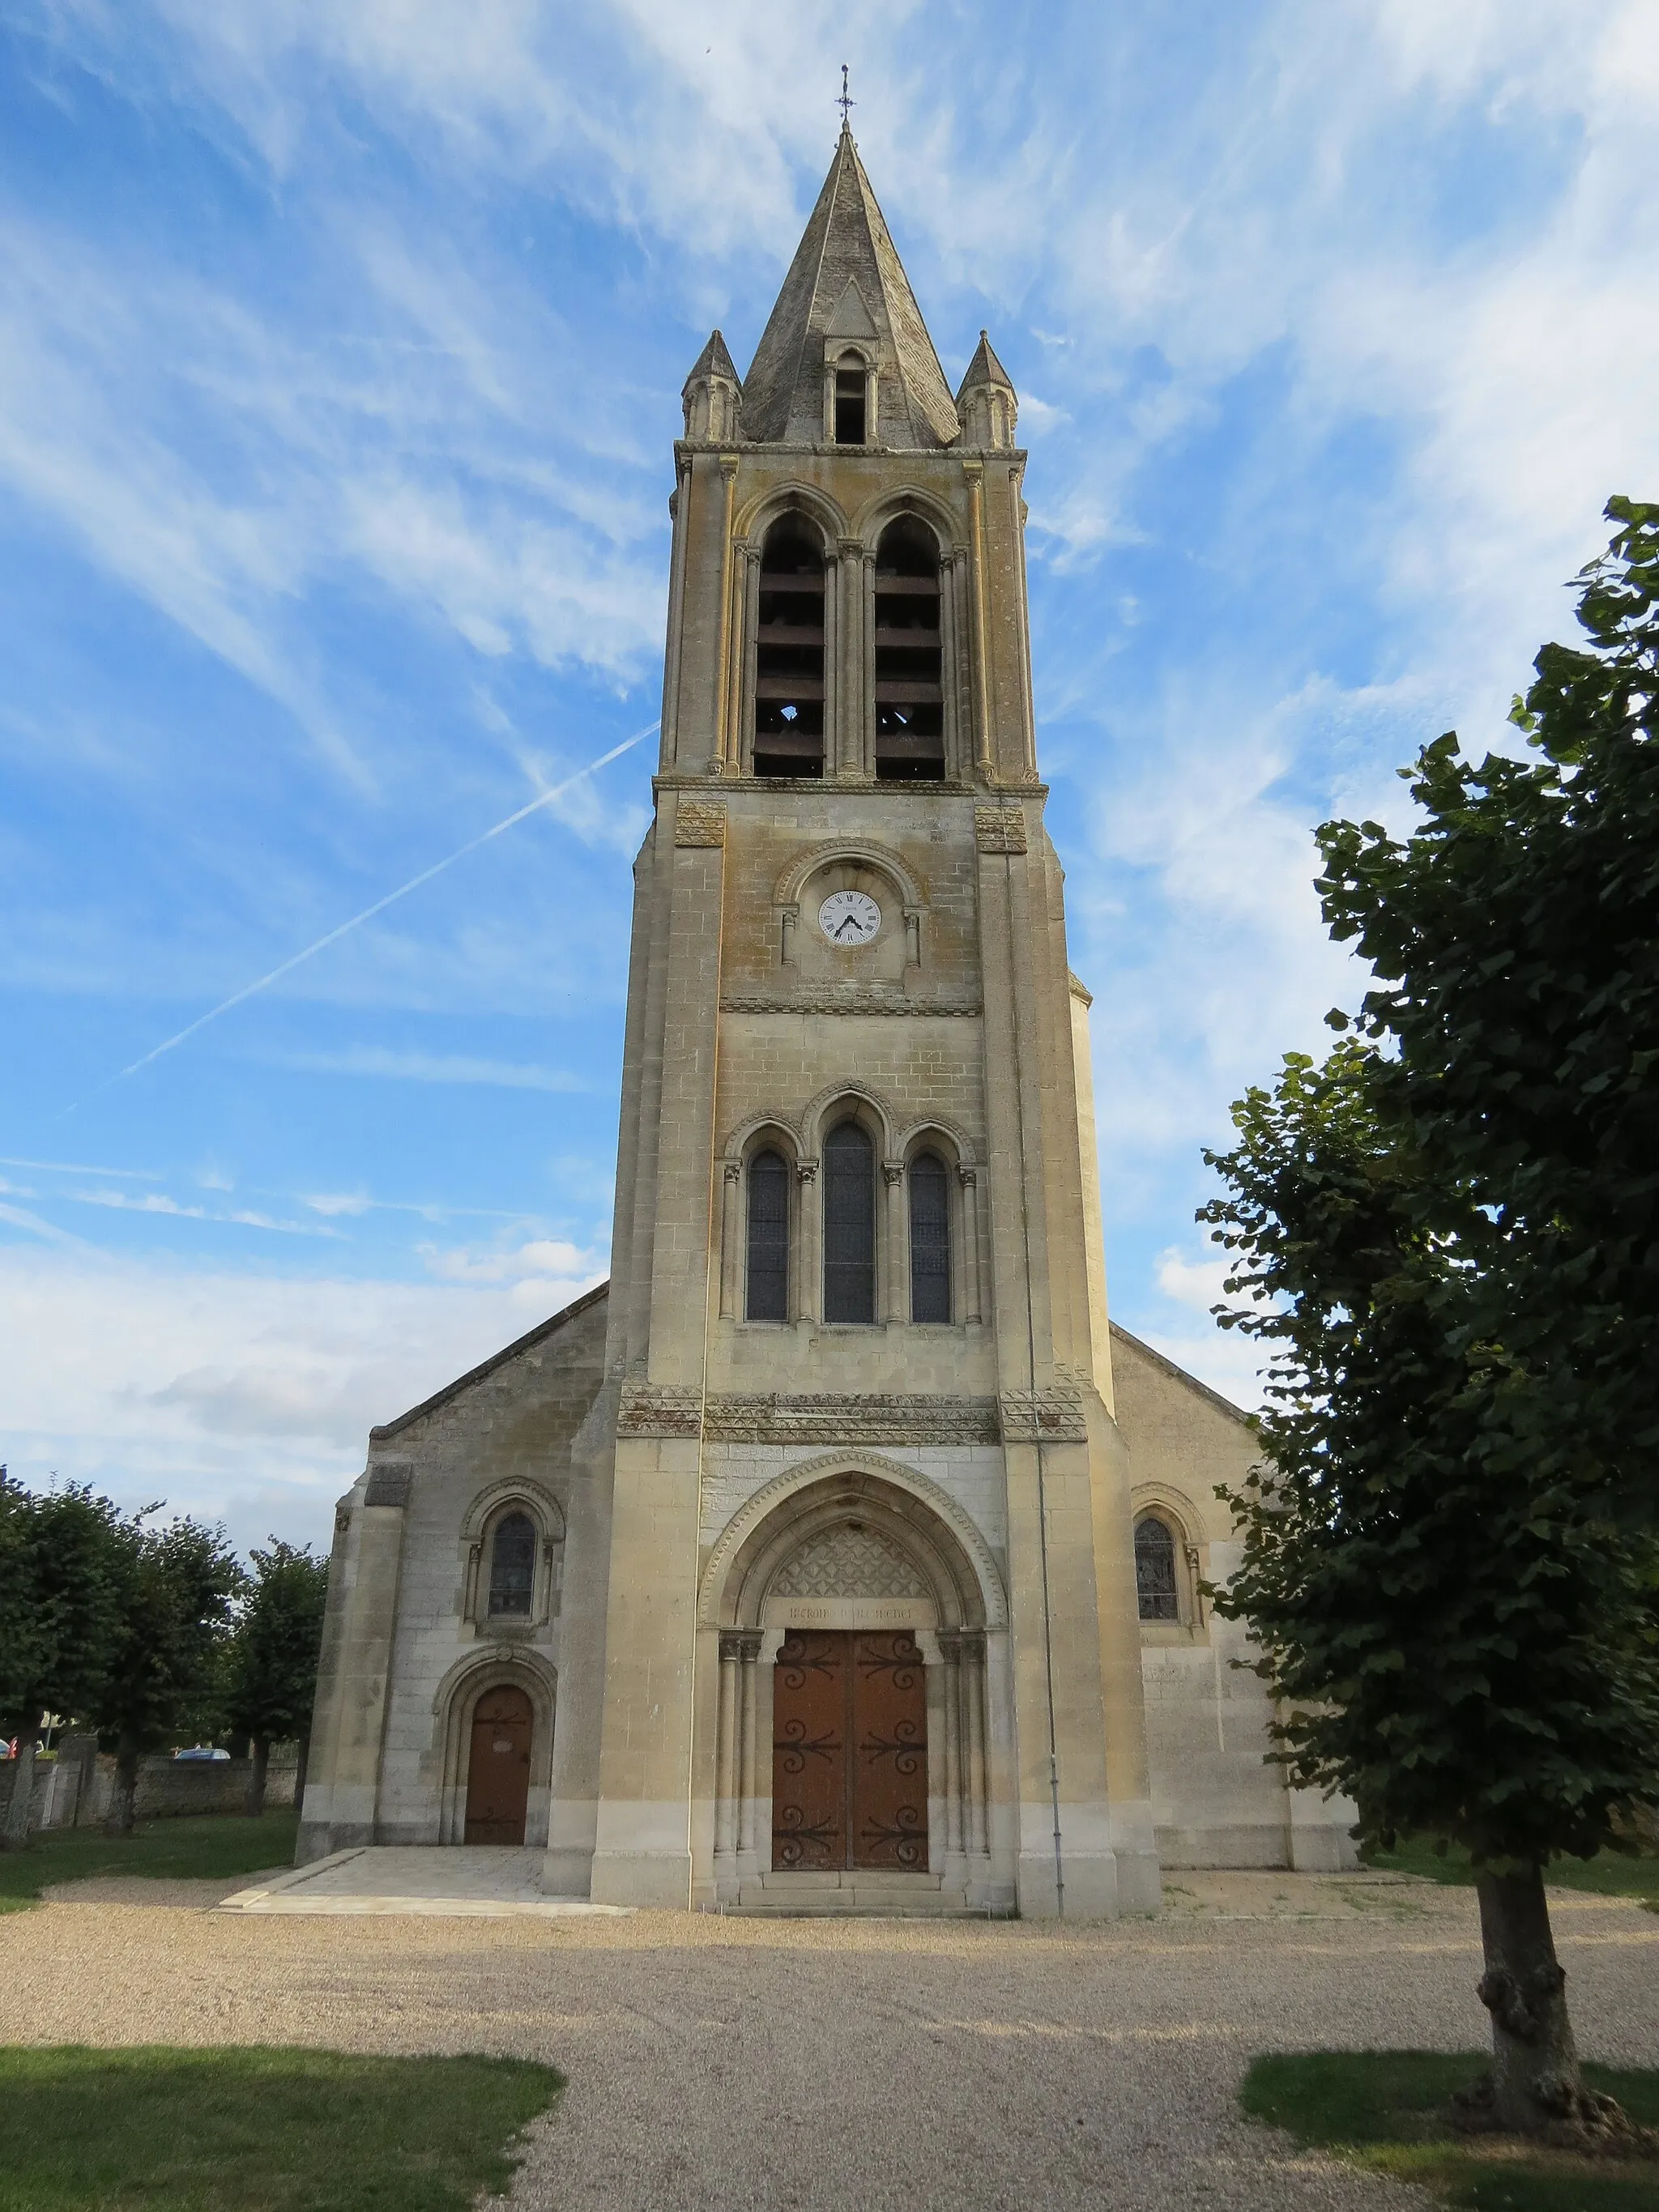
853, 1892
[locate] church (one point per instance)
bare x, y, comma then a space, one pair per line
838, 1554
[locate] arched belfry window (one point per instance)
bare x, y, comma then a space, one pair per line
852, 401
930, 1239
513, 1566
1157, 1591
767, 1295
789, 652
849, 1224
909, 661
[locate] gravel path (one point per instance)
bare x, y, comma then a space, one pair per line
953, 2067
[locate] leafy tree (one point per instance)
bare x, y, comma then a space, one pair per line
271, 1680
1449, 1231
1516, 939
58, 1616
165, 1677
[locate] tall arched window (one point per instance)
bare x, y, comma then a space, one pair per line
909, 679
852, 400
849, 1224
930, 1239
513, 1566
789, 652
768, 1238
1155, 1588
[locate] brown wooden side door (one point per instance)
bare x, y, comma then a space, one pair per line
887, 1767
849, 1753
498, 1770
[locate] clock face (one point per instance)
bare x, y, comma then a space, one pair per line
850, 918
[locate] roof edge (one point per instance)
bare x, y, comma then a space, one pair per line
542, 1328
1162, 1359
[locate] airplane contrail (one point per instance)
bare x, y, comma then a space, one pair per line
542, 799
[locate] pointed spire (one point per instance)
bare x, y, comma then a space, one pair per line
712, 395
986, 401
847, 281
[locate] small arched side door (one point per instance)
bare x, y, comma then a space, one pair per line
498, 1767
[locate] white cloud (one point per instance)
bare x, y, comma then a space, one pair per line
543, 1269
428, 1068
249, 1397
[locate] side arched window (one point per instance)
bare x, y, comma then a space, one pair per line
789, 652
513, 1566
930, 1239
1156, 1590
849, 1224
909, 665
768, 1238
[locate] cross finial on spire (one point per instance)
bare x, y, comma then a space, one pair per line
846, 102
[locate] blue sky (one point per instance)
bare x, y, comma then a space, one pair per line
340, 349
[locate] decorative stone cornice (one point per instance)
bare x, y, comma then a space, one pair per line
699, 823
659, 1409
769, 1418
845, 998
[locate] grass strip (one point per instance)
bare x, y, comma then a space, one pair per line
199, 1847
262, 2129
1609, 1873
1390, 2113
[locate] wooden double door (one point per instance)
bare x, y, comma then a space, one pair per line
849, 1752
498, 1767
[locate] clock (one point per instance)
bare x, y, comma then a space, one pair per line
848, 918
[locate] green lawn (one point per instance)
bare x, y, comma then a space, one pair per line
1389, 2111
258, 2130
1611, 1873
206, 1847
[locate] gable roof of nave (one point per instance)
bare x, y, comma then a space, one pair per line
486, 1368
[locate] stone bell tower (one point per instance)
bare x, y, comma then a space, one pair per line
860, 1589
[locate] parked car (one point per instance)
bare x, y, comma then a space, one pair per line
201, 1751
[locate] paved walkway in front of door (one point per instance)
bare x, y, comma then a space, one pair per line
860, 2065
483, 1881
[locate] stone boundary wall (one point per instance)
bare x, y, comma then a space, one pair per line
73, 1788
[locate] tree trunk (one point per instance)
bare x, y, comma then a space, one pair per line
300, 1776
259, 1765
124, 1797
22, 1791
1535, 2088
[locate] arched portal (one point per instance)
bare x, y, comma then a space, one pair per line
852, 1719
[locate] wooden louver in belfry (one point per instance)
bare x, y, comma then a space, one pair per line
789, 655
909, 685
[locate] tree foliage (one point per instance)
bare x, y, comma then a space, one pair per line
1450, 1233
272, 1676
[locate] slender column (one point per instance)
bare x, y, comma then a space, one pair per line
852, 677
975, 472
743, 736
971, 1307
895, 1305
726, 1758
731, 1236
723, 661
977, 1841
808, 1275
749, 1644
950, 1646
1022, 610
737, 655
954, 762
670, 665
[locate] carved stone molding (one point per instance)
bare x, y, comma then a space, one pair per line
850, 1562
1000, 829
699, 823
855, 999
768, 1418
660, 1409
1053, 1416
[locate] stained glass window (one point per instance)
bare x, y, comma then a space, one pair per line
930, 1239
849, 1226
768, 1238
1155, 1570
513, 1564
